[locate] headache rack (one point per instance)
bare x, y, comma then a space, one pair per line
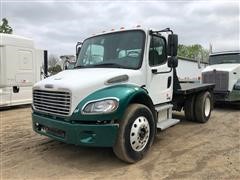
52, 102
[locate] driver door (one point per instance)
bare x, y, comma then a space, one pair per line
160, 75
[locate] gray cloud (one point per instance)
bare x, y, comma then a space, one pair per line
57, 26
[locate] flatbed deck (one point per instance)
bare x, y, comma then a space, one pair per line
189, 88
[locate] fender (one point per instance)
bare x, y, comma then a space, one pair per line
125, 93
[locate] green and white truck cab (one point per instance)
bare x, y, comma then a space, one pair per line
122, 89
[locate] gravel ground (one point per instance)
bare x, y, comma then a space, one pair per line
185, 151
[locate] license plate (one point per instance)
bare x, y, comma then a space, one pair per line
53, 131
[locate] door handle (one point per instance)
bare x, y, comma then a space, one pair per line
154, 71
169, 82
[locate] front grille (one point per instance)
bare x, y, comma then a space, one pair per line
52, 102
219, 78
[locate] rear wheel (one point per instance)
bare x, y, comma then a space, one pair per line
136, 133
189, 109
203, 107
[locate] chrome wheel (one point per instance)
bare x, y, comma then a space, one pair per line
139, 133
136, 133
207, 107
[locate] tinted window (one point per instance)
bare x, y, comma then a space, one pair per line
157, 51
94, 54
224, 58
120, 49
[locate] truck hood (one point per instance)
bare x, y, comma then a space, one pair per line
82, 82
222, 67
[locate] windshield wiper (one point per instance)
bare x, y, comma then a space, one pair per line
108, 65
114, 65
79, 66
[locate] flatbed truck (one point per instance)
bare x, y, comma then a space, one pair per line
122, 89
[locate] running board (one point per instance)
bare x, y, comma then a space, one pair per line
163, 107
167, 123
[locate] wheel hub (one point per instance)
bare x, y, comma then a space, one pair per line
207, 107
139, 133
142, 133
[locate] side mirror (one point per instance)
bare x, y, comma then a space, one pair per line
172, 45
65, 67
78, 48
172, 62
65, 64
77, 51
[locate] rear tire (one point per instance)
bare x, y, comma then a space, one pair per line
136, 133
203, 107
189, 109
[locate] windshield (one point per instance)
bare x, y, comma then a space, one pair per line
224, 58
115, 50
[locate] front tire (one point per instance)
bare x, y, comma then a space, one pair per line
203, 107
136, 133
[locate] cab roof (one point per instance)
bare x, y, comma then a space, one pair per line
118, 30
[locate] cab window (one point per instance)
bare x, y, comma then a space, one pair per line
113, 50
94, 54
157, 51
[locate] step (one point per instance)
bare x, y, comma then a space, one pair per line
163, 107
167, 123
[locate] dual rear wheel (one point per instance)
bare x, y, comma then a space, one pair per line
198, 108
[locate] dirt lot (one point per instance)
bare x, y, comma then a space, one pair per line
185, 151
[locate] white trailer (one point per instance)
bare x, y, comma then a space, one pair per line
20, 68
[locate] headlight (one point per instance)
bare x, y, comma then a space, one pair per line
101, 106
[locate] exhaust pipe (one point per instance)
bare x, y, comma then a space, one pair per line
45, 66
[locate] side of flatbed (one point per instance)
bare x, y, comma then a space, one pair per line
190, 88
185, 96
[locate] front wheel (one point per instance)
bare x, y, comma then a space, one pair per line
136, 133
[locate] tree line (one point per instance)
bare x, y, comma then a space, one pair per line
195, 51
5, 28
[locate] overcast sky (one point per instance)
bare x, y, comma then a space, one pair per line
57, 26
